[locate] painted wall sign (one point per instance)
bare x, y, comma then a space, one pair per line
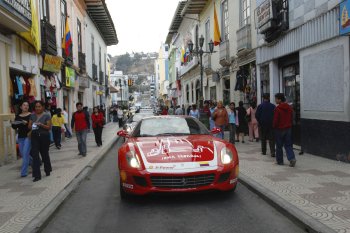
52, 63
20, 7
344, 27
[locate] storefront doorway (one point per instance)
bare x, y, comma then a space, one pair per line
291, 86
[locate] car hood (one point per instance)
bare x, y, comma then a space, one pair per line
177, 153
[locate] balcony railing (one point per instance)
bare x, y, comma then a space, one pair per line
188, 66
101, 77
244, 38
7, 140
48, 38
225, 53
94, 72
82, 64
68, 59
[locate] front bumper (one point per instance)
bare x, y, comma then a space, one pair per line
142, 182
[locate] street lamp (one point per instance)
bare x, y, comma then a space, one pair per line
199, 52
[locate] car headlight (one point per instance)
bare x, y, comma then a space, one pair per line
132, 159
226, 156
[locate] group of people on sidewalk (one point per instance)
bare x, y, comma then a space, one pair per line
265, 122
34, 133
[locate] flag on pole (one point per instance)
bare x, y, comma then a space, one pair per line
182, 55
67, 40
217, 36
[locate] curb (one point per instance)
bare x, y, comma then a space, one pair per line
296, 215
42, 218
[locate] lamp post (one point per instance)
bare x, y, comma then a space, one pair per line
199, 52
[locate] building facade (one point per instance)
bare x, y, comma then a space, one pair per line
52, 62
302, 54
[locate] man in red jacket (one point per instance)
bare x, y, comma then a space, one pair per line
81, 121
282, 123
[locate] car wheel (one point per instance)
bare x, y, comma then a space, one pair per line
123, 194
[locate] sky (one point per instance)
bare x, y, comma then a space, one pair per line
141, 25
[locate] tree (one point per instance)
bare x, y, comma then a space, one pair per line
123, 63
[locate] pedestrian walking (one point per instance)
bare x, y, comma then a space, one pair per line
40, 125
220, 117
21, 125
252, 122
171, 110
179, 111
233, 121
183, 109
282, 124
242, 124
120, 116
81, 122
194, 112
264, 116
57, 125
165, 110
114, 113
205, 115
68, 132
97, 125
188, 110
211, 120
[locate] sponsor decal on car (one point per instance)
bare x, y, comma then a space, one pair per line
203, 164
233, 181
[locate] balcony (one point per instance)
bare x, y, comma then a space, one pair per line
82, 64
244, 39
101, 77
94, 72
225, 53
48, 38
188, 66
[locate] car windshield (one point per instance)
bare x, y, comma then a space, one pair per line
169, 126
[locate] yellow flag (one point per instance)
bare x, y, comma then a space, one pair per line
217, 36
33, 36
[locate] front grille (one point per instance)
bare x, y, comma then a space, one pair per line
182, 181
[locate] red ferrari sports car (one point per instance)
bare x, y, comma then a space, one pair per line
175, 154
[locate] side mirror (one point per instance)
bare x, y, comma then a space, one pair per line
123, 133
216, 130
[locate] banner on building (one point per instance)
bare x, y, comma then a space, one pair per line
52, 63
344, 27
70, 77
33, 36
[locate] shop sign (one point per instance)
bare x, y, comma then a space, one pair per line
70, 77
264, 15
52, 63
83, 82
99, 92
344, 27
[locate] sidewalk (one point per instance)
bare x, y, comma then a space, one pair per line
316, 192
24, 204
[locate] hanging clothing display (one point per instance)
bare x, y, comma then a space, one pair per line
241, 81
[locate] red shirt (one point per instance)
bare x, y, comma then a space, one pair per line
80, 121
97, 120
283, 116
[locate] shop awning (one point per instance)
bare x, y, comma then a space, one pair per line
99, 14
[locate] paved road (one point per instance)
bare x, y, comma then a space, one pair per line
96, 207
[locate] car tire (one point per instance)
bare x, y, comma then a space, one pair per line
123, 195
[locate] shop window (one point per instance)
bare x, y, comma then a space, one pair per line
213, 93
